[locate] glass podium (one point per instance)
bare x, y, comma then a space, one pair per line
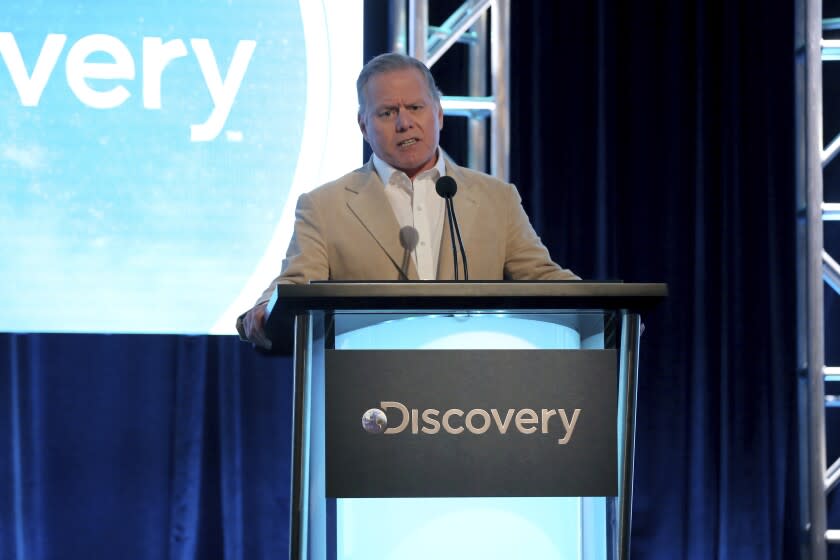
494, 317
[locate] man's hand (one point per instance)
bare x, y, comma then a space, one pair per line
254, 326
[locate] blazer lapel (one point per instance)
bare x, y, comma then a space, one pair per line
370, 205
466, 211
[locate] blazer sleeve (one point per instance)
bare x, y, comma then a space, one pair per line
306, 259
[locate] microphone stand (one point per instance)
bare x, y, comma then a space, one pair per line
446, 187
450, 215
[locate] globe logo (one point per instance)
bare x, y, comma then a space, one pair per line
374, 421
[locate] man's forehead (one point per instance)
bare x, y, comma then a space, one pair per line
396, 83
395, 100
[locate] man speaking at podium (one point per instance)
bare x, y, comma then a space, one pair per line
385, 221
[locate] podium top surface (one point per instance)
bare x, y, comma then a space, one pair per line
465, 296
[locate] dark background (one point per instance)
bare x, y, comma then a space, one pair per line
651, 141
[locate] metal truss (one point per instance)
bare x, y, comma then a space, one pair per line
816, 269
412, 34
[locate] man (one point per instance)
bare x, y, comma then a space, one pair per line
385, 220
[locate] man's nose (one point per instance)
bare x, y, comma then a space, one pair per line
404, 121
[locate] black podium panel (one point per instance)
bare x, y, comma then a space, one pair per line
432, 423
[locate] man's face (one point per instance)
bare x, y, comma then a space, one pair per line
401, 120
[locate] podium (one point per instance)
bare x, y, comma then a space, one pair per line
463, 419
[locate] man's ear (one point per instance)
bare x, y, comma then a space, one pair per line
361, 120
440, 116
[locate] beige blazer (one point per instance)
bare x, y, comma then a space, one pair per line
346, 230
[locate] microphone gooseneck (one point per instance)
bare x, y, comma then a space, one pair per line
447, 194
446, 188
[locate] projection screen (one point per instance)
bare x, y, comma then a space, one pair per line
152, 154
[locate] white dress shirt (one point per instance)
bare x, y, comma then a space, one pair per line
417, 205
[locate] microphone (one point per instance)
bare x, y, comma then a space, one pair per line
408, 240
446, 188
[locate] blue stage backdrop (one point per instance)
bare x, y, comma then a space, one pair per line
152, 152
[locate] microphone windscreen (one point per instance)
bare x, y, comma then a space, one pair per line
446, 186
409, 238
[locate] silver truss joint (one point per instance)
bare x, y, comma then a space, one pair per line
832, 476
438, 33
831, 271
454, 28
828, 154
831, 210
830, 50
471, 107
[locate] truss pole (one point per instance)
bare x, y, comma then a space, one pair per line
477, 126
500, 72
812, 452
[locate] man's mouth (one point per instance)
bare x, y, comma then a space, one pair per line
406, 143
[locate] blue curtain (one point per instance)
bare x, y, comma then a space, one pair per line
655, 142
142, 447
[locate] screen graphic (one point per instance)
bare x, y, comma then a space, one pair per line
152, 153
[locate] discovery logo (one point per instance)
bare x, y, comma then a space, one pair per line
83, 64
476, 421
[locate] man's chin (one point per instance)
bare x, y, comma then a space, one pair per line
412, 167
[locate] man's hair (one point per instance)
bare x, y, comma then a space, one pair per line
390, 62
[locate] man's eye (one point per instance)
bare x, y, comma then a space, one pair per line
386, 114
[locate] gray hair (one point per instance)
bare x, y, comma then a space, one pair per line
390, 62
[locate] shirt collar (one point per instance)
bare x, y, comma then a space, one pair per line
386, 172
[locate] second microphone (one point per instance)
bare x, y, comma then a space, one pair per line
446, 187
